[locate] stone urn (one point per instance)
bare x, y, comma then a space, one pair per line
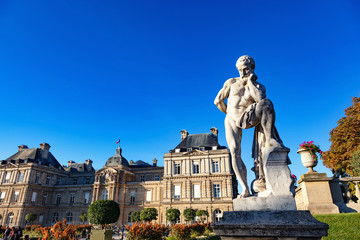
307, 160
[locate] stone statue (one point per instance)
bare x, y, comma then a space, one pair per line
247, 107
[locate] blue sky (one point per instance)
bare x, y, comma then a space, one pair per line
79, 75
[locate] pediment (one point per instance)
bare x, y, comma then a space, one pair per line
195, 152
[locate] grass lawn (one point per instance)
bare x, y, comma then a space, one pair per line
342, 226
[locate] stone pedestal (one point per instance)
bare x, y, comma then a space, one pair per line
269, 203
270, 225
314, 194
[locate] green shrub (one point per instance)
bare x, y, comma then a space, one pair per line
103, 212
148, 214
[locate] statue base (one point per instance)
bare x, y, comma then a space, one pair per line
270, 225
269, 203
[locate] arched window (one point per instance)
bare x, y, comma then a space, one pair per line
69, 217
10, 218
218, 215
105, 195
55, 217
129, 217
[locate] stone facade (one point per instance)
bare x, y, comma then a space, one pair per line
197, 174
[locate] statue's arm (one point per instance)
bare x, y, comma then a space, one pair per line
257, 90
222, 95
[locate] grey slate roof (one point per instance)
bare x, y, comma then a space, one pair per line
140, 164
199, 140
117, 159
79, 167
34, 155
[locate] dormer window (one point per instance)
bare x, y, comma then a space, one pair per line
177, 150
189, 149
202, 148
214, 147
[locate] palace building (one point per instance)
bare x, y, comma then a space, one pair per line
197, 173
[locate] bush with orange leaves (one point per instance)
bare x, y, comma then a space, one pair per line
147, 231
180, 232
60, 231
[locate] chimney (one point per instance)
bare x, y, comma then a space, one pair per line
155, 162
89, 162
45, 150
184, 134
214, 131
70, 162
21, 147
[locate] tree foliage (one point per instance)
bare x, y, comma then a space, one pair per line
83, 217
135, 216
203, 214
103, 212
0, 216
355, 164
189, 214
345, 140
30, 217
148, 214
173, 215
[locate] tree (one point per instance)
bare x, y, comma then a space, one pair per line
103, 212
345, 140
135, 216
203, 214
148, 214
30, 217
173, 215
0, 216
189, 214
355, 164
83, 217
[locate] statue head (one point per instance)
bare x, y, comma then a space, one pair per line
246, 65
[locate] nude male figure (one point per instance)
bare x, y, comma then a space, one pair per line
246, 107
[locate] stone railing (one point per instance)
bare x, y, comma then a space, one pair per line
347, 194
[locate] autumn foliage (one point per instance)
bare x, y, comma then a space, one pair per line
146, 231
345, 140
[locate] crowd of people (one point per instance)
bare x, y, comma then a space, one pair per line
14, 233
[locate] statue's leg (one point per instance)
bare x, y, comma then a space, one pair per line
233, 138
265, 111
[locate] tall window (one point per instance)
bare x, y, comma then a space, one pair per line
69, 217
218, 215
132, 196
58, 180
7, 177
176, 192
16, 196
48, 178
21, 177
105, 195
142, 178
87, 180
177, 168
33, 197
217, 192
197, 193
148, 196
58, 198
37, 178
157, 177
10, 218
72, 198
215, 167
41, 218
196, 167
87, 197
75, 181
55, 217
2, 197
45, 196
129, 217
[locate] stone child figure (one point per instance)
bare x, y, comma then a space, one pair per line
247, 106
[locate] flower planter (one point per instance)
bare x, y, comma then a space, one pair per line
307, 160
105, 234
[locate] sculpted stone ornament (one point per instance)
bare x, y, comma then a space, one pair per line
247, 107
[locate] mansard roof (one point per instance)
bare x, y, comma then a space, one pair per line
140, 164
34, 155
79, 167
117, 159
199, 140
